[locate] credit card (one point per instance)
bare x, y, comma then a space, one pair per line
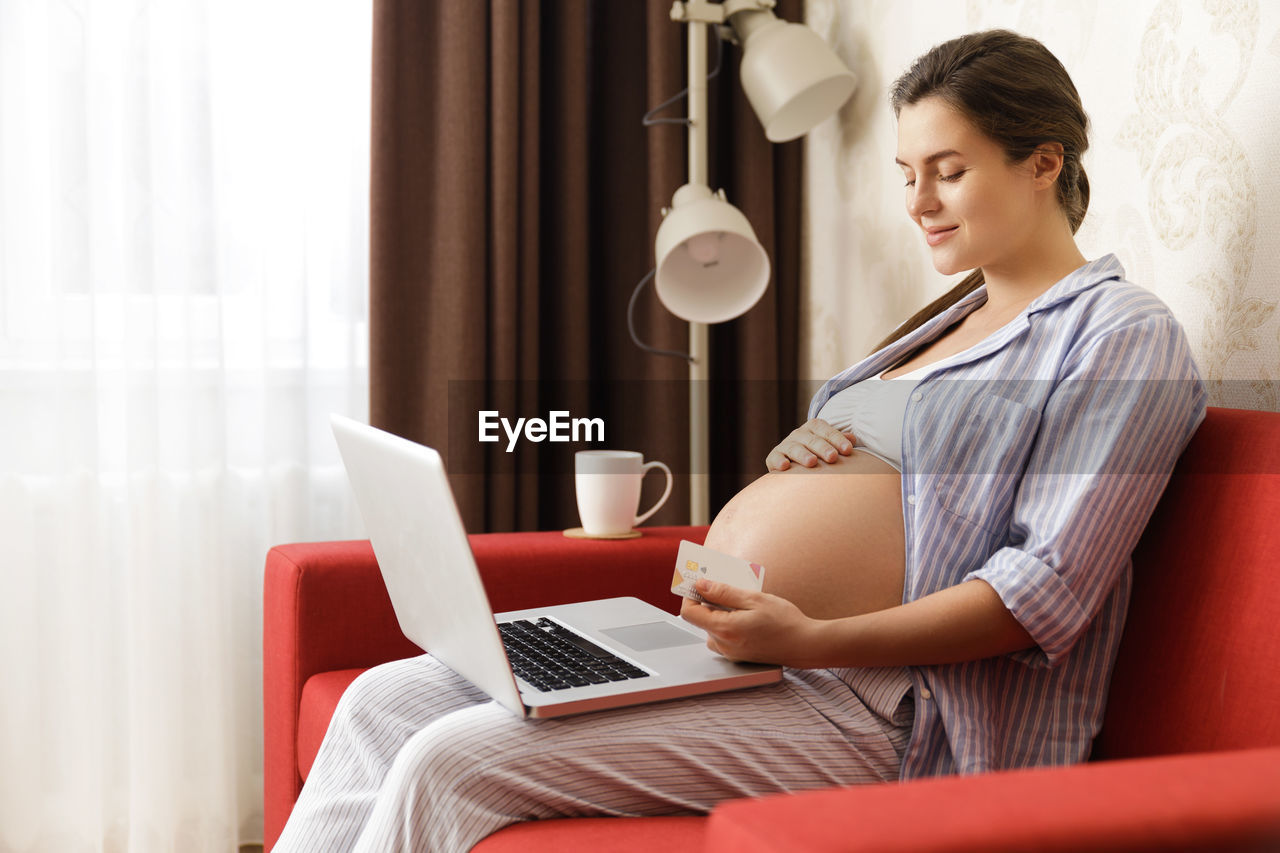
694, 561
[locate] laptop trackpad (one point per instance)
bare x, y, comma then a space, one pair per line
651, 636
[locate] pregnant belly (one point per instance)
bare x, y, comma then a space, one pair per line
830, 538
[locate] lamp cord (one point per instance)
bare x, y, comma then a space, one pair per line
650, 121
631, 325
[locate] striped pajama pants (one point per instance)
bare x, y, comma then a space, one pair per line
416, 758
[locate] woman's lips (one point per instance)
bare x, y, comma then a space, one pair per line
934, 236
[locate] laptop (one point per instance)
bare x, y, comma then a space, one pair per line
543, 662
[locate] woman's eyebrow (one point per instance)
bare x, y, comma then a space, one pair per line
935, 156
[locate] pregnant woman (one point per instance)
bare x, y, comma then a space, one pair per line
948, 537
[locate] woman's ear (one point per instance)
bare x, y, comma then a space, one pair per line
1046, 164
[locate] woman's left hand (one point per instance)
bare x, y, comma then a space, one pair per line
761, 628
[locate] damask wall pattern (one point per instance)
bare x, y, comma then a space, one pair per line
1182, 165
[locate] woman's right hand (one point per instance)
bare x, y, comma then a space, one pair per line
808, 444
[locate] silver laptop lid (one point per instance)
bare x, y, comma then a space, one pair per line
426, 560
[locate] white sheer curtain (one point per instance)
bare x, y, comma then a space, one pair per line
183, 279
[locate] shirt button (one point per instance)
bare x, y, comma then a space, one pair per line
917, 396
925, 694
911, 499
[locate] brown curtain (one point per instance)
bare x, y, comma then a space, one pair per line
515, 196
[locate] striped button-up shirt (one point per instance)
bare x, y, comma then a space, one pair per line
1033, 462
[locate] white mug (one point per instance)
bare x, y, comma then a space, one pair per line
608, 485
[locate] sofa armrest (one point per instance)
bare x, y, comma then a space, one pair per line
534, 569
1207, 801
326, 608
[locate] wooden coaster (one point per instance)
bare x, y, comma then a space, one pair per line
579, 533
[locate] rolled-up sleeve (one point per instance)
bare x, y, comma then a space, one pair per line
1108, 438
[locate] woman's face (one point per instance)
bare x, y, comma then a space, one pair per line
974, 207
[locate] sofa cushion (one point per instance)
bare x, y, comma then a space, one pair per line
1199, 665
1214, 803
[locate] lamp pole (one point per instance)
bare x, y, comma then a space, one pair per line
699, 369
793, 81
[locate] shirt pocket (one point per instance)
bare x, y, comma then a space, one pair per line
981, 471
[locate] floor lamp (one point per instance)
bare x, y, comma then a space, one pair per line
710, 266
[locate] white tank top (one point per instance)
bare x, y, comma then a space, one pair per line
873, 411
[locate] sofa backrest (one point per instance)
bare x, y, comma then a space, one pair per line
1199, 665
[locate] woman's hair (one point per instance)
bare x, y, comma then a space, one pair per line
1015, 91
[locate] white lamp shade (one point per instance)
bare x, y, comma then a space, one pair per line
711, 268
792, 78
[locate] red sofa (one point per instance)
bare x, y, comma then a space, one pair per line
1188, 758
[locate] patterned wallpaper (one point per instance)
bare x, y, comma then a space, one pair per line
1185, 117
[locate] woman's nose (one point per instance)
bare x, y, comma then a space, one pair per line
921, 200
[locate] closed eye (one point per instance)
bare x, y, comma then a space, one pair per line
951, 179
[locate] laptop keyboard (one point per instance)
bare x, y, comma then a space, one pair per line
551, 657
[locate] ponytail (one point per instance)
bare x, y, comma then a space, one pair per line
971, 282
1081, 206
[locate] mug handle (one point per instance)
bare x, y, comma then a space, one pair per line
644, 469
